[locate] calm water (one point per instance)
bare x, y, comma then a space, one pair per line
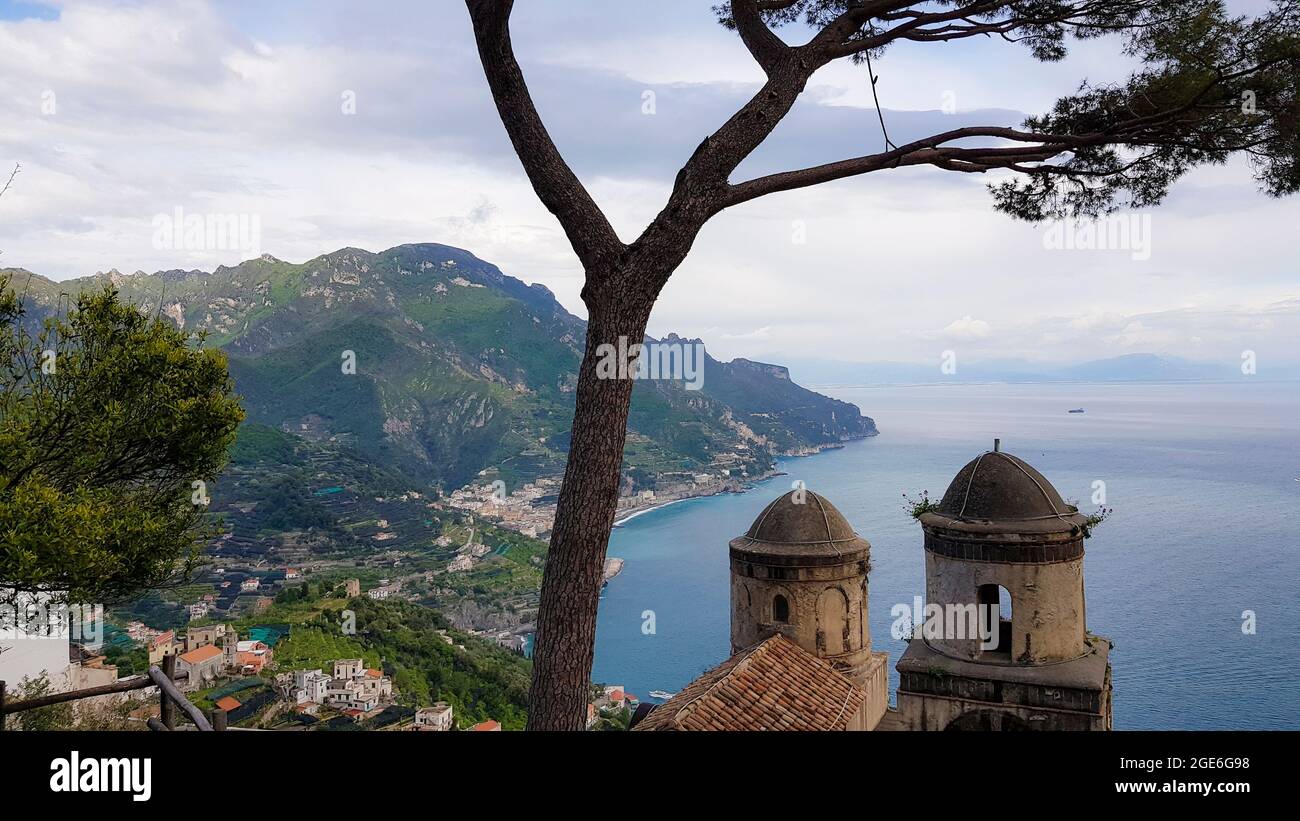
1202, 479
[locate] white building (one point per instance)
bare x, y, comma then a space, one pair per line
355, 687
24, 656
38, 642
345, 695
435, 718
310, 685
348, 668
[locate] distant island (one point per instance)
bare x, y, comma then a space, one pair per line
1134, 367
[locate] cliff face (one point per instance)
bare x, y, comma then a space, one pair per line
433, 362
792, 417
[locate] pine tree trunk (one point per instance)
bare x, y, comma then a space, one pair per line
566, 620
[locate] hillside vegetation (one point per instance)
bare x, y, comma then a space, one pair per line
457, 368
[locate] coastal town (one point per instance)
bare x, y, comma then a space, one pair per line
221, 669
473, 555
530, 509
479, 539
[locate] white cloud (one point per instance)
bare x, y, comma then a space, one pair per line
967, 328
235, 108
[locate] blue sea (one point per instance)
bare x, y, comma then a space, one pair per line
1202, 479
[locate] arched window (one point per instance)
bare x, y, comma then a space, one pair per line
995, 599
780, 609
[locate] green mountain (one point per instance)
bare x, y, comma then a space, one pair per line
458, 368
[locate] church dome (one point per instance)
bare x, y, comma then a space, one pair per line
997, 487
801, 524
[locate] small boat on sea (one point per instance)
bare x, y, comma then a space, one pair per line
661, 695
1076, 410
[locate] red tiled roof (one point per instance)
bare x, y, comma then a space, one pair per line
202, 654
227, 703
774, 685
374, 673
486, 726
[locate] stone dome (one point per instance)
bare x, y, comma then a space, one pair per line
801, 524
997, 487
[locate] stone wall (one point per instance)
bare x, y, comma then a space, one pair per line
1047, 605
827, 608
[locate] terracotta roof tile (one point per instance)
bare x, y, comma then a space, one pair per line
774, 685
203, 653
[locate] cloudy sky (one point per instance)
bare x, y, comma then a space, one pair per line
342, 128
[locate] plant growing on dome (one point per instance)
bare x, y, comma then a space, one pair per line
1091, 520
920, 506
1094, 519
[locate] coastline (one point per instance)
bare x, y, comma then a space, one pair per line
727, 486
614, 566
643, 510
737, 486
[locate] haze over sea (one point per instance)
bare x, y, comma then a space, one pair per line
1202, 480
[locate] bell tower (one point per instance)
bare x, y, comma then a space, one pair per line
1004, 643
801, 571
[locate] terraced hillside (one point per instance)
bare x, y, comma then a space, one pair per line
433, 364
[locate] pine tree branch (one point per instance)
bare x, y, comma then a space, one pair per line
588, 230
